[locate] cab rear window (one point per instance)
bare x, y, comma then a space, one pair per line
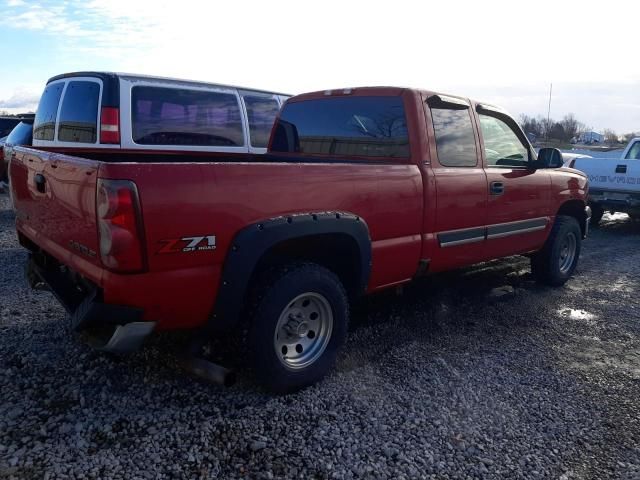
171, 116
344, 126
44, 126
79, 112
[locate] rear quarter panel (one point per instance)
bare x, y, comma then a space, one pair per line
64, 214
197, 199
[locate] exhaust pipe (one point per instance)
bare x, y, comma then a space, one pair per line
209, 371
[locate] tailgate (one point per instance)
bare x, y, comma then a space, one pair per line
611, 174
54, 196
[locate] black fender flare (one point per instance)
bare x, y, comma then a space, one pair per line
252, 242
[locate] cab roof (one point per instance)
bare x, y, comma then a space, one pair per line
107, 76
376, 91
392, 92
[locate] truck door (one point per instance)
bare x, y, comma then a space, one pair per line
613, 179
518, 216
461, 185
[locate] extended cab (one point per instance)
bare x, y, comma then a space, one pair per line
615, 182
361, 190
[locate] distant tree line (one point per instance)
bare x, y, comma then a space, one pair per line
566, 130
5, 113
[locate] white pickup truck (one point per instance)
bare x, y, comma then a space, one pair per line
614, 182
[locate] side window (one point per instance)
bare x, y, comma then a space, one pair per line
455, 141
44, 125
172, 116
502, 147
79, 113
634, 152
261, 113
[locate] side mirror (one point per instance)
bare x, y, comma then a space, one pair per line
549, 158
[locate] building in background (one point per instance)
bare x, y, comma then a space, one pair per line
590, 137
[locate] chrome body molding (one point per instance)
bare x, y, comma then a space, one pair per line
464, 236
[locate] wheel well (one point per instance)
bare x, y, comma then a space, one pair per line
574, 208
337, 252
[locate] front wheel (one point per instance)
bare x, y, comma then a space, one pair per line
299, 320
555, 263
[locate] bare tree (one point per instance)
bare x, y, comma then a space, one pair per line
610, 136
545, 125
570, 126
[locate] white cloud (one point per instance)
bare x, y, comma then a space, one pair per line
20, 100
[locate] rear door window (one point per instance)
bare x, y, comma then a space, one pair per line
79, 112
344, 126
44, 125
455, 141
172, 116
261, 113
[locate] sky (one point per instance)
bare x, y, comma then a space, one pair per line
503, 52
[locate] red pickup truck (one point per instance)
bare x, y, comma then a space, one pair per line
361, 189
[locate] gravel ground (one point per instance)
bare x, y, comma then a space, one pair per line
452, 379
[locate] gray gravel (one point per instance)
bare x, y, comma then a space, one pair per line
459, 377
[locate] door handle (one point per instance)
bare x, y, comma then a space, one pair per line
621, 169
496, 188
40, 182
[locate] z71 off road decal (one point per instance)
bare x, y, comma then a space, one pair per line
189, 244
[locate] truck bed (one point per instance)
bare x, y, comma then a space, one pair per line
212, 196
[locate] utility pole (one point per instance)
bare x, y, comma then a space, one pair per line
546, 133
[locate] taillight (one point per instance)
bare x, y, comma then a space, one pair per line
119, 225
109, 125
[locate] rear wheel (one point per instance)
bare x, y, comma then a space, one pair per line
298, 322
556, 262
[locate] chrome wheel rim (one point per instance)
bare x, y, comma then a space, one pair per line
567, 252
303, 330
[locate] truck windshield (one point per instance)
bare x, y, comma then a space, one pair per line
344, 126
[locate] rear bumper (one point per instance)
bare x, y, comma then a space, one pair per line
615, 199
111, 328
177, 298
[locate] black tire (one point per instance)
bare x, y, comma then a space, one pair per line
596, 215
548, 265
271, 299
